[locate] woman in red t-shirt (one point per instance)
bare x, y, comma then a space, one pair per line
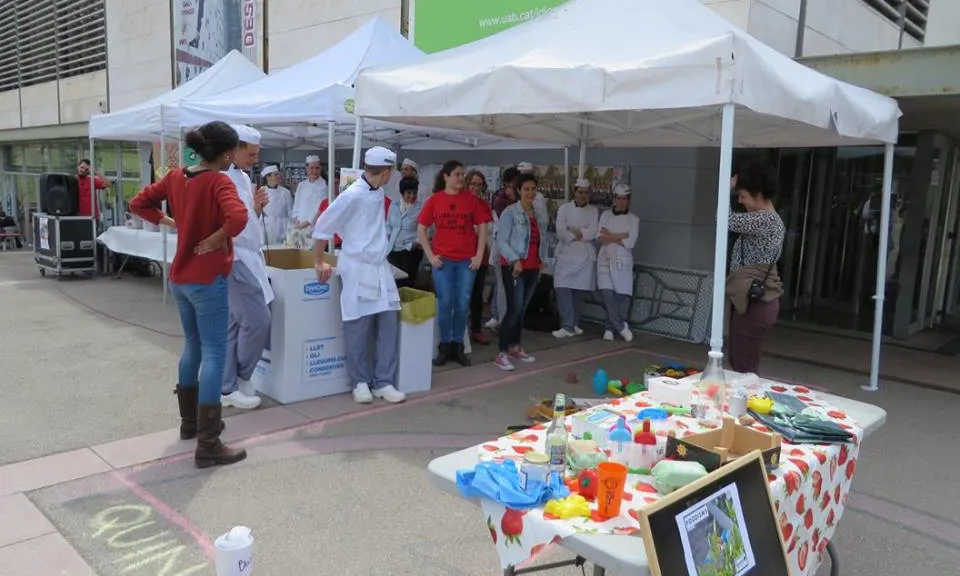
208, 214
523, 249
460, 221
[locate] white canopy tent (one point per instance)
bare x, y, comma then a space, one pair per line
300, 105
634, 73
147, 121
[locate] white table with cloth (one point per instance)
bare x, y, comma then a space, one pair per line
138, 242
809, 489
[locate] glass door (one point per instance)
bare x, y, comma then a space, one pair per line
945, 265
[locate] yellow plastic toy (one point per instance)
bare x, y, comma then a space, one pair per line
615, 387
760, 404
572, 506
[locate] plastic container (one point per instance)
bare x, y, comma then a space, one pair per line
669, 391
234, 552
711, 389
417, 320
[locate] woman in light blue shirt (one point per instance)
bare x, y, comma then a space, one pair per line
405, 252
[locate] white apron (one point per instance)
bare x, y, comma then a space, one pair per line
276, 214
368, 284
574, 267
306, 202
615, 261
248, 245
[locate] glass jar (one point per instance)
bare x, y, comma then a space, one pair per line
535, 466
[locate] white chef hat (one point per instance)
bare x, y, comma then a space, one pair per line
621, 190
271, 169
525, 167
247, 134
312, 159
379, 156
410, 163
582, 183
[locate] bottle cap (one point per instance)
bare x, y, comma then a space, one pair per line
714, 354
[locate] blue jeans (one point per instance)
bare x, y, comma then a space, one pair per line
518, 291
204, 313
454, 283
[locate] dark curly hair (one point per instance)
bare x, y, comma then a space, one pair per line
758, 179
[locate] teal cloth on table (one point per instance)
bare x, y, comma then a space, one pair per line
500, 481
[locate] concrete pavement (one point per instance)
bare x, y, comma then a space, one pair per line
96, 482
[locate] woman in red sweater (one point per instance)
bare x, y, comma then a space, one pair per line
208, 214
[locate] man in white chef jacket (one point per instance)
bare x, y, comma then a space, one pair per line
276, 214
248, 286
310, 192
574, 273
617, 236
369, 299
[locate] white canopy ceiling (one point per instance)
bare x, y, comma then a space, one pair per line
292, 107
627, 73
147, 120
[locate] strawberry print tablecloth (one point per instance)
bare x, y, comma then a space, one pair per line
809, 490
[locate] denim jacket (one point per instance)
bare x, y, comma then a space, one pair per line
402, 228
513, 234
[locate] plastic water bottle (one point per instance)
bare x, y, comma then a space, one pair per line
711, 390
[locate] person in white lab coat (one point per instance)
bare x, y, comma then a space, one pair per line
310, 192
276, 214
248, 287
574, 274
617, 237
369, 299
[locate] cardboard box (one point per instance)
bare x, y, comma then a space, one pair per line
306, 357
718, 447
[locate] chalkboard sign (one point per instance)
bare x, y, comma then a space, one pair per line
724, 524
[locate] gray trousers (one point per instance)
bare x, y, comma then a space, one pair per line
248, 334
373, 347
617, 307
570, 305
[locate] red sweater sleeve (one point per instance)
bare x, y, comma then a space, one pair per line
148, 202
233, 209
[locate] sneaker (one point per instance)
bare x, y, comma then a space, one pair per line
519, 354
502, 361
362, 394
246, 387
563, 333
626, 333
390, 394
238, 399
492, 324
577, 331
608, 335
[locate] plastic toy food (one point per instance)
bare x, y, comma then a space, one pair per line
569, 507
760, 404
587, 484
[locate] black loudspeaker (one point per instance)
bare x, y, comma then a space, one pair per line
59, 194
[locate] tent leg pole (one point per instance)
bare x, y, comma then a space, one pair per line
723, 216
566, 173
881, 269
331, 170
357, 143
582, 165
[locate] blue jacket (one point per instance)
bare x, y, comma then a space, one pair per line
513, 233
402, 228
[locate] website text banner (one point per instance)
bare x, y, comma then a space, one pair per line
442, 24
204, 31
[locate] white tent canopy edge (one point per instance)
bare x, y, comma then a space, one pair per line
650, 75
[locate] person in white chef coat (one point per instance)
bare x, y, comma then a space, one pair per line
617, 236
248, 287
276, 214
310, 192
574, 274
369, 300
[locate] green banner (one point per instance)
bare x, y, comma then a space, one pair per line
442, 24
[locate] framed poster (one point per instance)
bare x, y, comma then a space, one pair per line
721, 525
205, 31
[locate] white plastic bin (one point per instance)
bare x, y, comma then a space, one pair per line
415, 367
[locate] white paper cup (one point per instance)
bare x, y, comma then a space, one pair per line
234, 552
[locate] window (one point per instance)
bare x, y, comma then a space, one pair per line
45, 40
909, 15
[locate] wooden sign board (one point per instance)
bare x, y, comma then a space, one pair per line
724, 524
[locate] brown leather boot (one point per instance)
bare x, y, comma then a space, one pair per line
210, 450
187, 398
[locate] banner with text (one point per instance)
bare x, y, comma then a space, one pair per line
205, 31
442, 24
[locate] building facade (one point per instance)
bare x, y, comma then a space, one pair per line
65, 60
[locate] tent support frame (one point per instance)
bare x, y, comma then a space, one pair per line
880, 295
723, 215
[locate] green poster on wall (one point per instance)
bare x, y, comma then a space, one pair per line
442, 24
